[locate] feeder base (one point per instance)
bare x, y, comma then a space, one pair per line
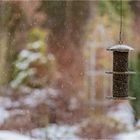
126, 72
121, 98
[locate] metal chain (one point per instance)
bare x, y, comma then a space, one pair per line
121, 24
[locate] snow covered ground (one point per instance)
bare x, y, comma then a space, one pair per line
56, 132
52, 132
40, 96
8, 135
63, 132
134, 135
123, 113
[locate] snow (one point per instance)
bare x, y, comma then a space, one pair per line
24, 54
138, 124
131, 135
7, 135
5, 102
21, 76
26, 58
50, 56
36, 44
56, 132
134, 135
32, 100
123, 113
74, 104
3, 115
120, 48
39, 96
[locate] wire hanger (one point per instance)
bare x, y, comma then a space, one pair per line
121, 24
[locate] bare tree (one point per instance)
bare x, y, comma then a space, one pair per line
67, 20
10, 19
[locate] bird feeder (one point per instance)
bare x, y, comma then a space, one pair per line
120, 71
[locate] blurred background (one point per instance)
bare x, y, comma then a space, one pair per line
53, 60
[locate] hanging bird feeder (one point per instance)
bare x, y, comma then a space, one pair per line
120, 71
120, 66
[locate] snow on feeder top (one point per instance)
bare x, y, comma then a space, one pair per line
120, 48
120, 71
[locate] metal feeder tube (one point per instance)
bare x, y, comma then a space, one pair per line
120, 71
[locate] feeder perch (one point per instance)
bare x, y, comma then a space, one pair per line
120, 72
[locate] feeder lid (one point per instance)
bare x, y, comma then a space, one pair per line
120, 48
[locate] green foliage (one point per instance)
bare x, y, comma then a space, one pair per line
134, 87
113, 8
37, 34
28, 61
37, 39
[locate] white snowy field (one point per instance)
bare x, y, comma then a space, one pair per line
122, 112
53, 132
8, 135
134, 135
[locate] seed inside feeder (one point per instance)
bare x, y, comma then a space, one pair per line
120, 71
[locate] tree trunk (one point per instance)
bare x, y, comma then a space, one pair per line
66, 43
3, 59
9, 23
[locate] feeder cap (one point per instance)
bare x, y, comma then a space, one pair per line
120, 48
